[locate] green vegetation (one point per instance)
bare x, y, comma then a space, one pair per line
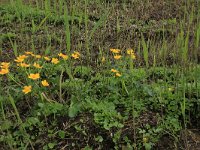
84, 74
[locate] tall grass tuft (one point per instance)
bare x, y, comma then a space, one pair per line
145, 52
86, 31
67, 28
15, 109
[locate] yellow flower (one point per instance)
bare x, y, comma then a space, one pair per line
20, 58
113, 70
76, 55
4, 71
171, 89
45, 83
23, 56
145, 140
4, 68
133, 56
55, 60
131, 53
28, 53
118, 74
47, 58
115, 51
23, 65
75, 52
5, 65
103, 59
27, 89
65, 57
38, 56
37, 66
117, 57
34, 76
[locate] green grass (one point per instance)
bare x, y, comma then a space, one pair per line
153, 97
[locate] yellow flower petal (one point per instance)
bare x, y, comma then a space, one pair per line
23, 56
133, 56
23, 65
113, 70
38, 56
19, 60
28, 53
118, 74
37, 66
115, 51
117, 57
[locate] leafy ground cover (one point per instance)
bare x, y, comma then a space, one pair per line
100, 74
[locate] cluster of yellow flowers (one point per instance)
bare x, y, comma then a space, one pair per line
131, 53
117, 73
20, 59
117, 55
21, 62
28, 89
4, 68
115, 51
33, 76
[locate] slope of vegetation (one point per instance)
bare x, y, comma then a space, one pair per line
104, 74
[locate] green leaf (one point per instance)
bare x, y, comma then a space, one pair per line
147, 146
41, 105
5, 125
51, 145
99, 139
99, 23
61, 134
73, 109
83, 70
